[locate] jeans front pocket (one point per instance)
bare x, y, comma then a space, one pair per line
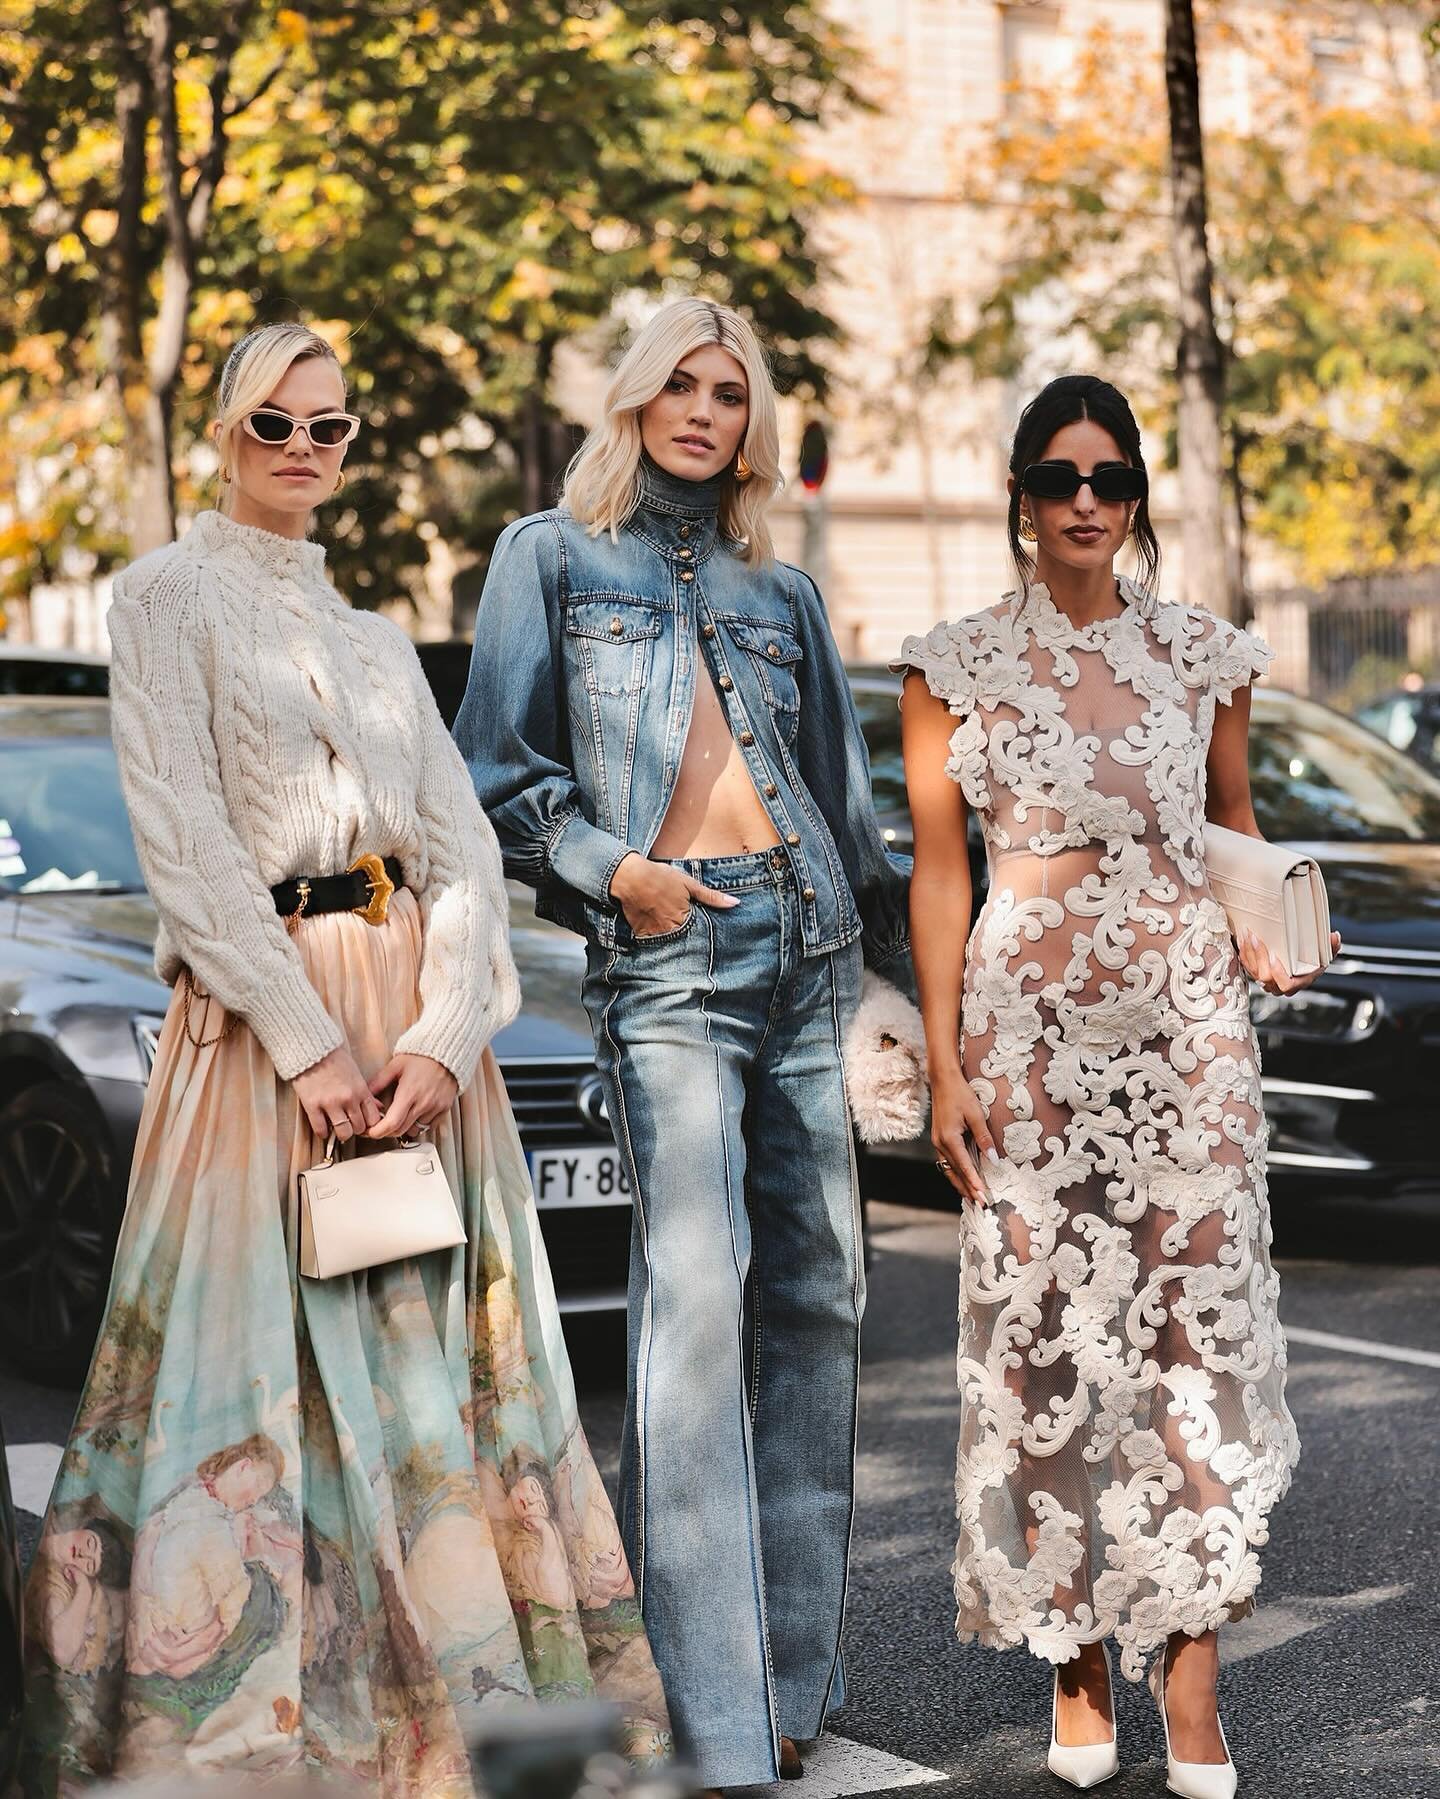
659, 939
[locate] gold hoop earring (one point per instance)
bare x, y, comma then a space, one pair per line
743, 470
1027, 527
339, 486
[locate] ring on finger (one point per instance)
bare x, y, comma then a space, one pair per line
944, 1164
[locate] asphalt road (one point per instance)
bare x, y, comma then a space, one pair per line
1332, 1689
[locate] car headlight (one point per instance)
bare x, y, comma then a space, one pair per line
147, 1029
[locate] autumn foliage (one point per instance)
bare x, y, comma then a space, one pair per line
451, 191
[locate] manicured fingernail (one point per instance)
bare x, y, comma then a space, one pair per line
993, 1155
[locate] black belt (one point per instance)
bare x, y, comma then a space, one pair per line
364, 888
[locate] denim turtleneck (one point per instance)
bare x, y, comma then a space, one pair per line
675, 513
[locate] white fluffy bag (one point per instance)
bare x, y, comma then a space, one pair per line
885, 1069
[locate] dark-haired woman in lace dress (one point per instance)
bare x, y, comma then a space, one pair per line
1124, 1429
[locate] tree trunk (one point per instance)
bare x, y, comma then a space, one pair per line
124, 284
546, 441
1239, 546
1209, 569
146, 96
154, 501
532, 445
152, 488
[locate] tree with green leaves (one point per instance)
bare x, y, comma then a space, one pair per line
112, 160
461, 189
1324, 228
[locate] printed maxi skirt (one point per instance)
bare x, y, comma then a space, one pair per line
321, 1523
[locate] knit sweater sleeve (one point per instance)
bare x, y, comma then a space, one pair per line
219, 915
469, 986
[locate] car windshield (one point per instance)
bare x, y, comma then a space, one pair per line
1314, 776
63, 827
1317, 777
35, 675
1409, 722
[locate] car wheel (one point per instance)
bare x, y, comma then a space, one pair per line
58, 1223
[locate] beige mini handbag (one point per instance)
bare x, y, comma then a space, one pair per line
1274, 892
375, 1208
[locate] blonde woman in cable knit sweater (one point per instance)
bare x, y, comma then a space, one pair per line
309, 1479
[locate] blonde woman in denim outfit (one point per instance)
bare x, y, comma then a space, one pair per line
660, 728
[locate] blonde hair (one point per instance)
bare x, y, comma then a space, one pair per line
252, 371
602, 483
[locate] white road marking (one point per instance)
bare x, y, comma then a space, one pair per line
1283, 1620
835, 1767
33, 1467
1382, 1352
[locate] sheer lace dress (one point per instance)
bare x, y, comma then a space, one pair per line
1124, 1430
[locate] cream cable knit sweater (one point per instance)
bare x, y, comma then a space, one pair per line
265, 730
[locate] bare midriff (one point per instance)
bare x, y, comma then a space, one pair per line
714, 810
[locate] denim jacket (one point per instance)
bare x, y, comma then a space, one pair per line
579, 701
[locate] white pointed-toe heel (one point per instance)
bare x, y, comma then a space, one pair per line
1089, 1763
1192, 1780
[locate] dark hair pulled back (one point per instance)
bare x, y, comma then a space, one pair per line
1062, 402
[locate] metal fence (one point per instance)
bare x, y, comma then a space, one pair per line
1356, 639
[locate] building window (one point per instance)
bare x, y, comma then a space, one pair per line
1033, 52
1338, 70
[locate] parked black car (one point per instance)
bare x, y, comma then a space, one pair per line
1408, 720
80, 1015
53, 674
1352, 1064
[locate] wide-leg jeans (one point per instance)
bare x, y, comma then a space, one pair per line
719, 1045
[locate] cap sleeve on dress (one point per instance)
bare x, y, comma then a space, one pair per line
1236, 659
943, 657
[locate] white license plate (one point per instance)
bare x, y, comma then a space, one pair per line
579, 1177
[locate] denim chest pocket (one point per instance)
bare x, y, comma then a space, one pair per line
775, 655
613, 637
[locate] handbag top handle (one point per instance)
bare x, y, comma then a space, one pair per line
333, 1146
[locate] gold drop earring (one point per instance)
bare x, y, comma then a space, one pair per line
339, 486
1027, 526
743, 470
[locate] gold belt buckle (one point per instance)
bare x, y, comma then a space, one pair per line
380, 885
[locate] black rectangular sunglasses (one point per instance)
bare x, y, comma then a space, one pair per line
1062, 481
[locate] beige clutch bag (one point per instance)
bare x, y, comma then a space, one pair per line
1272, 891
375, 1208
